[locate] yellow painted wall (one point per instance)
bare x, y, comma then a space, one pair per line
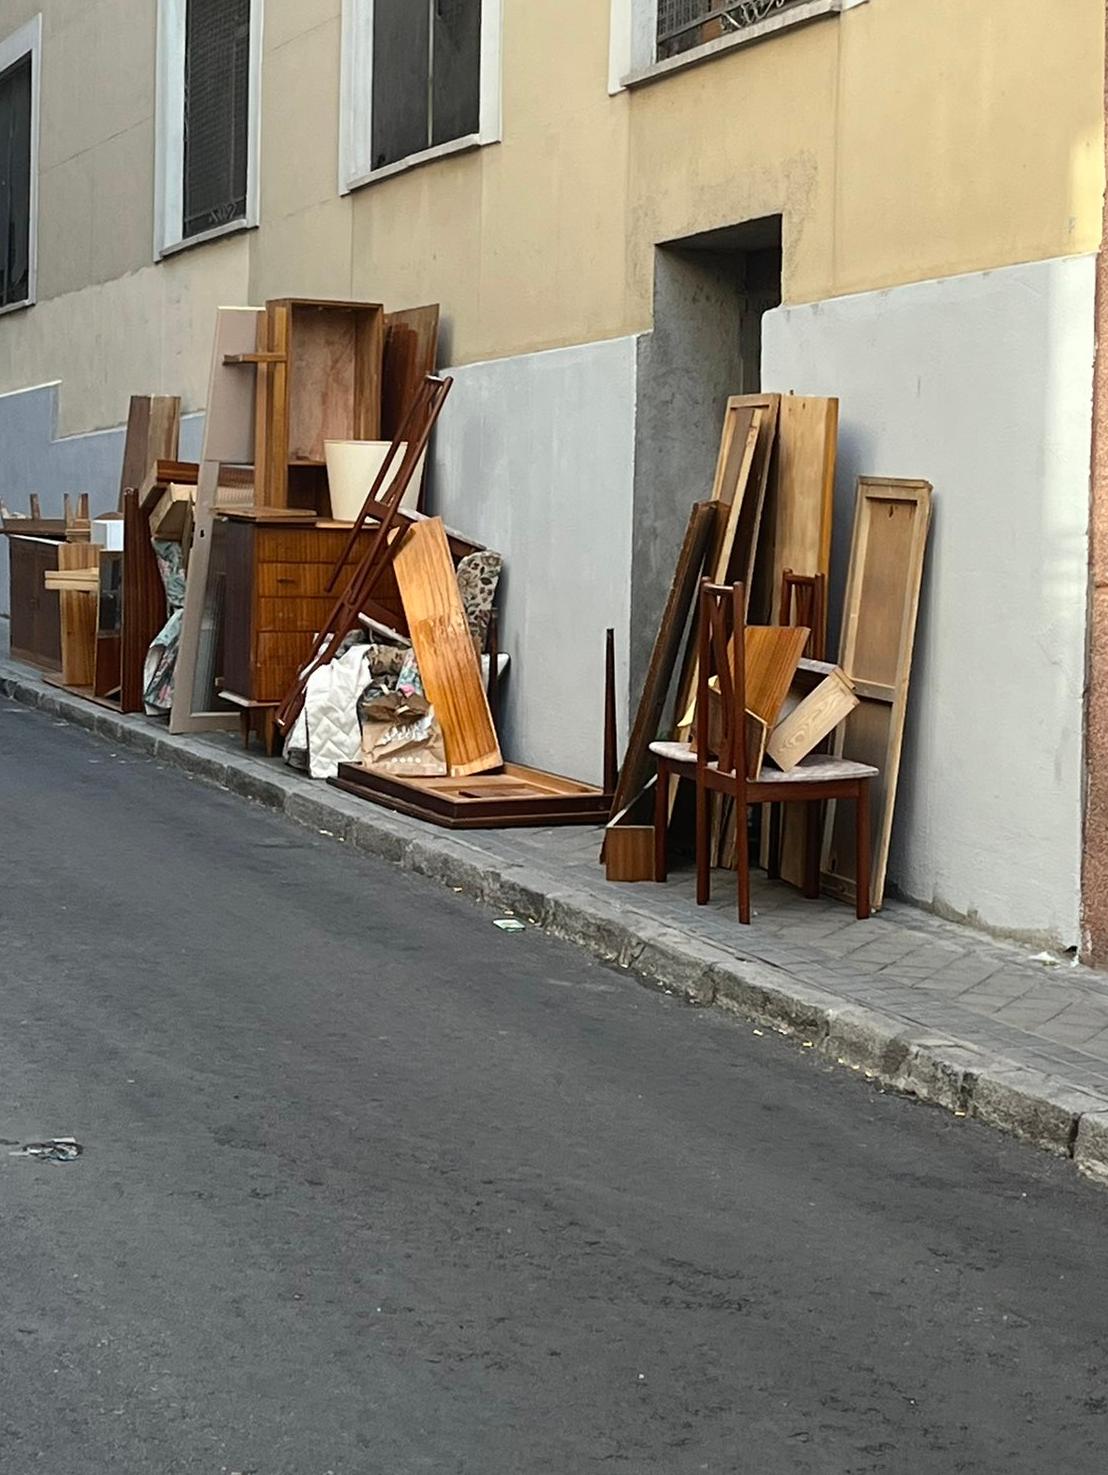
902, 140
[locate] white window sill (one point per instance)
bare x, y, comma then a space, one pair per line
17, 306
414, 161
217, 232
797, 15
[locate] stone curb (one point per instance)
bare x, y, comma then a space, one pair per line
946, 1072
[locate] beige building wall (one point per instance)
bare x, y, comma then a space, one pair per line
901, 141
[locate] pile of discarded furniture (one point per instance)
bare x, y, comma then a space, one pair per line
289, 583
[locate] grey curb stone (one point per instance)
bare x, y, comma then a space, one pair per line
944, 1072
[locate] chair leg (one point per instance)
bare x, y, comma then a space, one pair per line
862, 852
661, 822
742, 866
773, 860
813, 833
703, 839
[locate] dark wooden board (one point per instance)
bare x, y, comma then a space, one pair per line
144, 606
516, 797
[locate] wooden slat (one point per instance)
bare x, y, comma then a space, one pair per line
667, 647
444, 649
879, 627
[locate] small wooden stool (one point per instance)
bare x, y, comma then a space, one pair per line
259, 717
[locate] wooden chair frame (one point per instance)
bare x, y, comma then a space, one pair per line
722, 637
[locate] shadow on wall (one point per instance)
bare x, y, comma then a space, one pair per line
982, 385
34, 459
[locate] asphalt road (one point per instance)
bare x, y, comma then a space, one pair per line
370, 1187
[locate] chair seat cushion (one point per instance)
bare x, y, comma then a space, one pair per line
674, 752
818, 768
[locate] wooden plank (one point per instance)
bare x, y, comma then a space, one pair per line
153, 433
772, 656
647, 725
809, 716
800, 497
891, 522
144, 606
748, 530
444, 648
78, 617
410, 354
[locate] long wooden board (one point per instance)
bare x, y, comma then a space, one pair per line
891, 521
444, 649
667, 647
78, 616
228, 440
153, 433
800, 501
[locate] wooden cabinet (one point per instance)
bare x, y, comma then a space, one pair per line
276, 599
36, 632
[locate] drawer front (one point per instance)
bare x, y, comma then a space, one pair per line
293, 613
277, 659
295, 580
307, 544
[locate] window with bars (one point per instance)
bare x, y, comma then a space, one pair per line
216, 114
426, 85
15, 182
684, 24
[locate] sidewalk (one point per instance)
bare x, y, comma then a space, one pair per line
924, 1006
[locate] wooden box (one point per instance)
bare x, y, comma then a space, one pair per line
276, 598
319, 379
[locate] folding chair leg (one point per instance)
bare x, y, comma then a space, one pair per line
703, 841
661, 822
813, 811
862, 852
742, 866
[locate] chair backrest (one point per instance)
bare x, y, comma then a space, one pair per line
803, 599
722, 636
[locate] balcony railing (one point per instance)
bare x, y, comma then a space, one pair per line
683, 24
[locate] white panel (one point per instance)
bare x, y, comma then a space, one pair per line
535, 457
983, 385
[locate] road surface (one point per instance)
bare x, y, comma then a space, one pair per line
370, 1187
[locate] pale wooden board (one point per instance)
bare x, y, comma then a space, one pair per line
230, 416
78, 616
444, 648
748, 530
808, 717
801, 496
153, 431
891, 522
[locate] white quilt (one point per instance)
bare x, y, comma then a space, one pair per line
328, 726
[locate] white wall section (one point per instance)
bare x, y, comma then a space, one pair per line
983, 385
534, 456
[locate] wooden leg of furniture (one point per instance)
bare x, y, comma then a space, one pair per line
773, 860
270, 731
245, 725
742, 859
703, 843
813, 810
862, 852
661, 822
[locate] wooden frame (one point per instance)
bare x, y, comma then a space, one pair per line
891, 523
514, 797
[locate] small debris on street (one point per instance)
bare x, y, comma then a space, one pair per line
55, 1150
509, 924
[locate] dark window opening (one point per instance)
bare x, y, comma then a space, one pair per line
685, 24
15, 183
426, 75
217, 113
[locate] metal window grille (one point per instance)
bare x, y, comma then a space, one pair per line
683, 24
15, 182
426, 75
217, 113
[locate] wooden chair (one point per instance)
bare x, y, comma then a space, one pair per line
816, 779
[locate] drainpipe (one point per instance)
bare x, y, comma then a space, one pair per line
1094, 846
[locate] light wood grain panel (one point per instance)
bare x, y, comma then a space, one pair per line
444, 648
78, 616
799, 504
808, 717
772, 655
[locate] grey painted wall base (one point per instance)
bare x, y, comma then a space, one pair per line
34, 459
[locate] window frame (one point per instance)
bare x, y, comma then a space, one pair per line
356, 98
169, 153
27, 41
633, 51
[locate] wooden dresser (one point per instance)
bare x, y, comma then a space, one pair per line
276, 599
36, 632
